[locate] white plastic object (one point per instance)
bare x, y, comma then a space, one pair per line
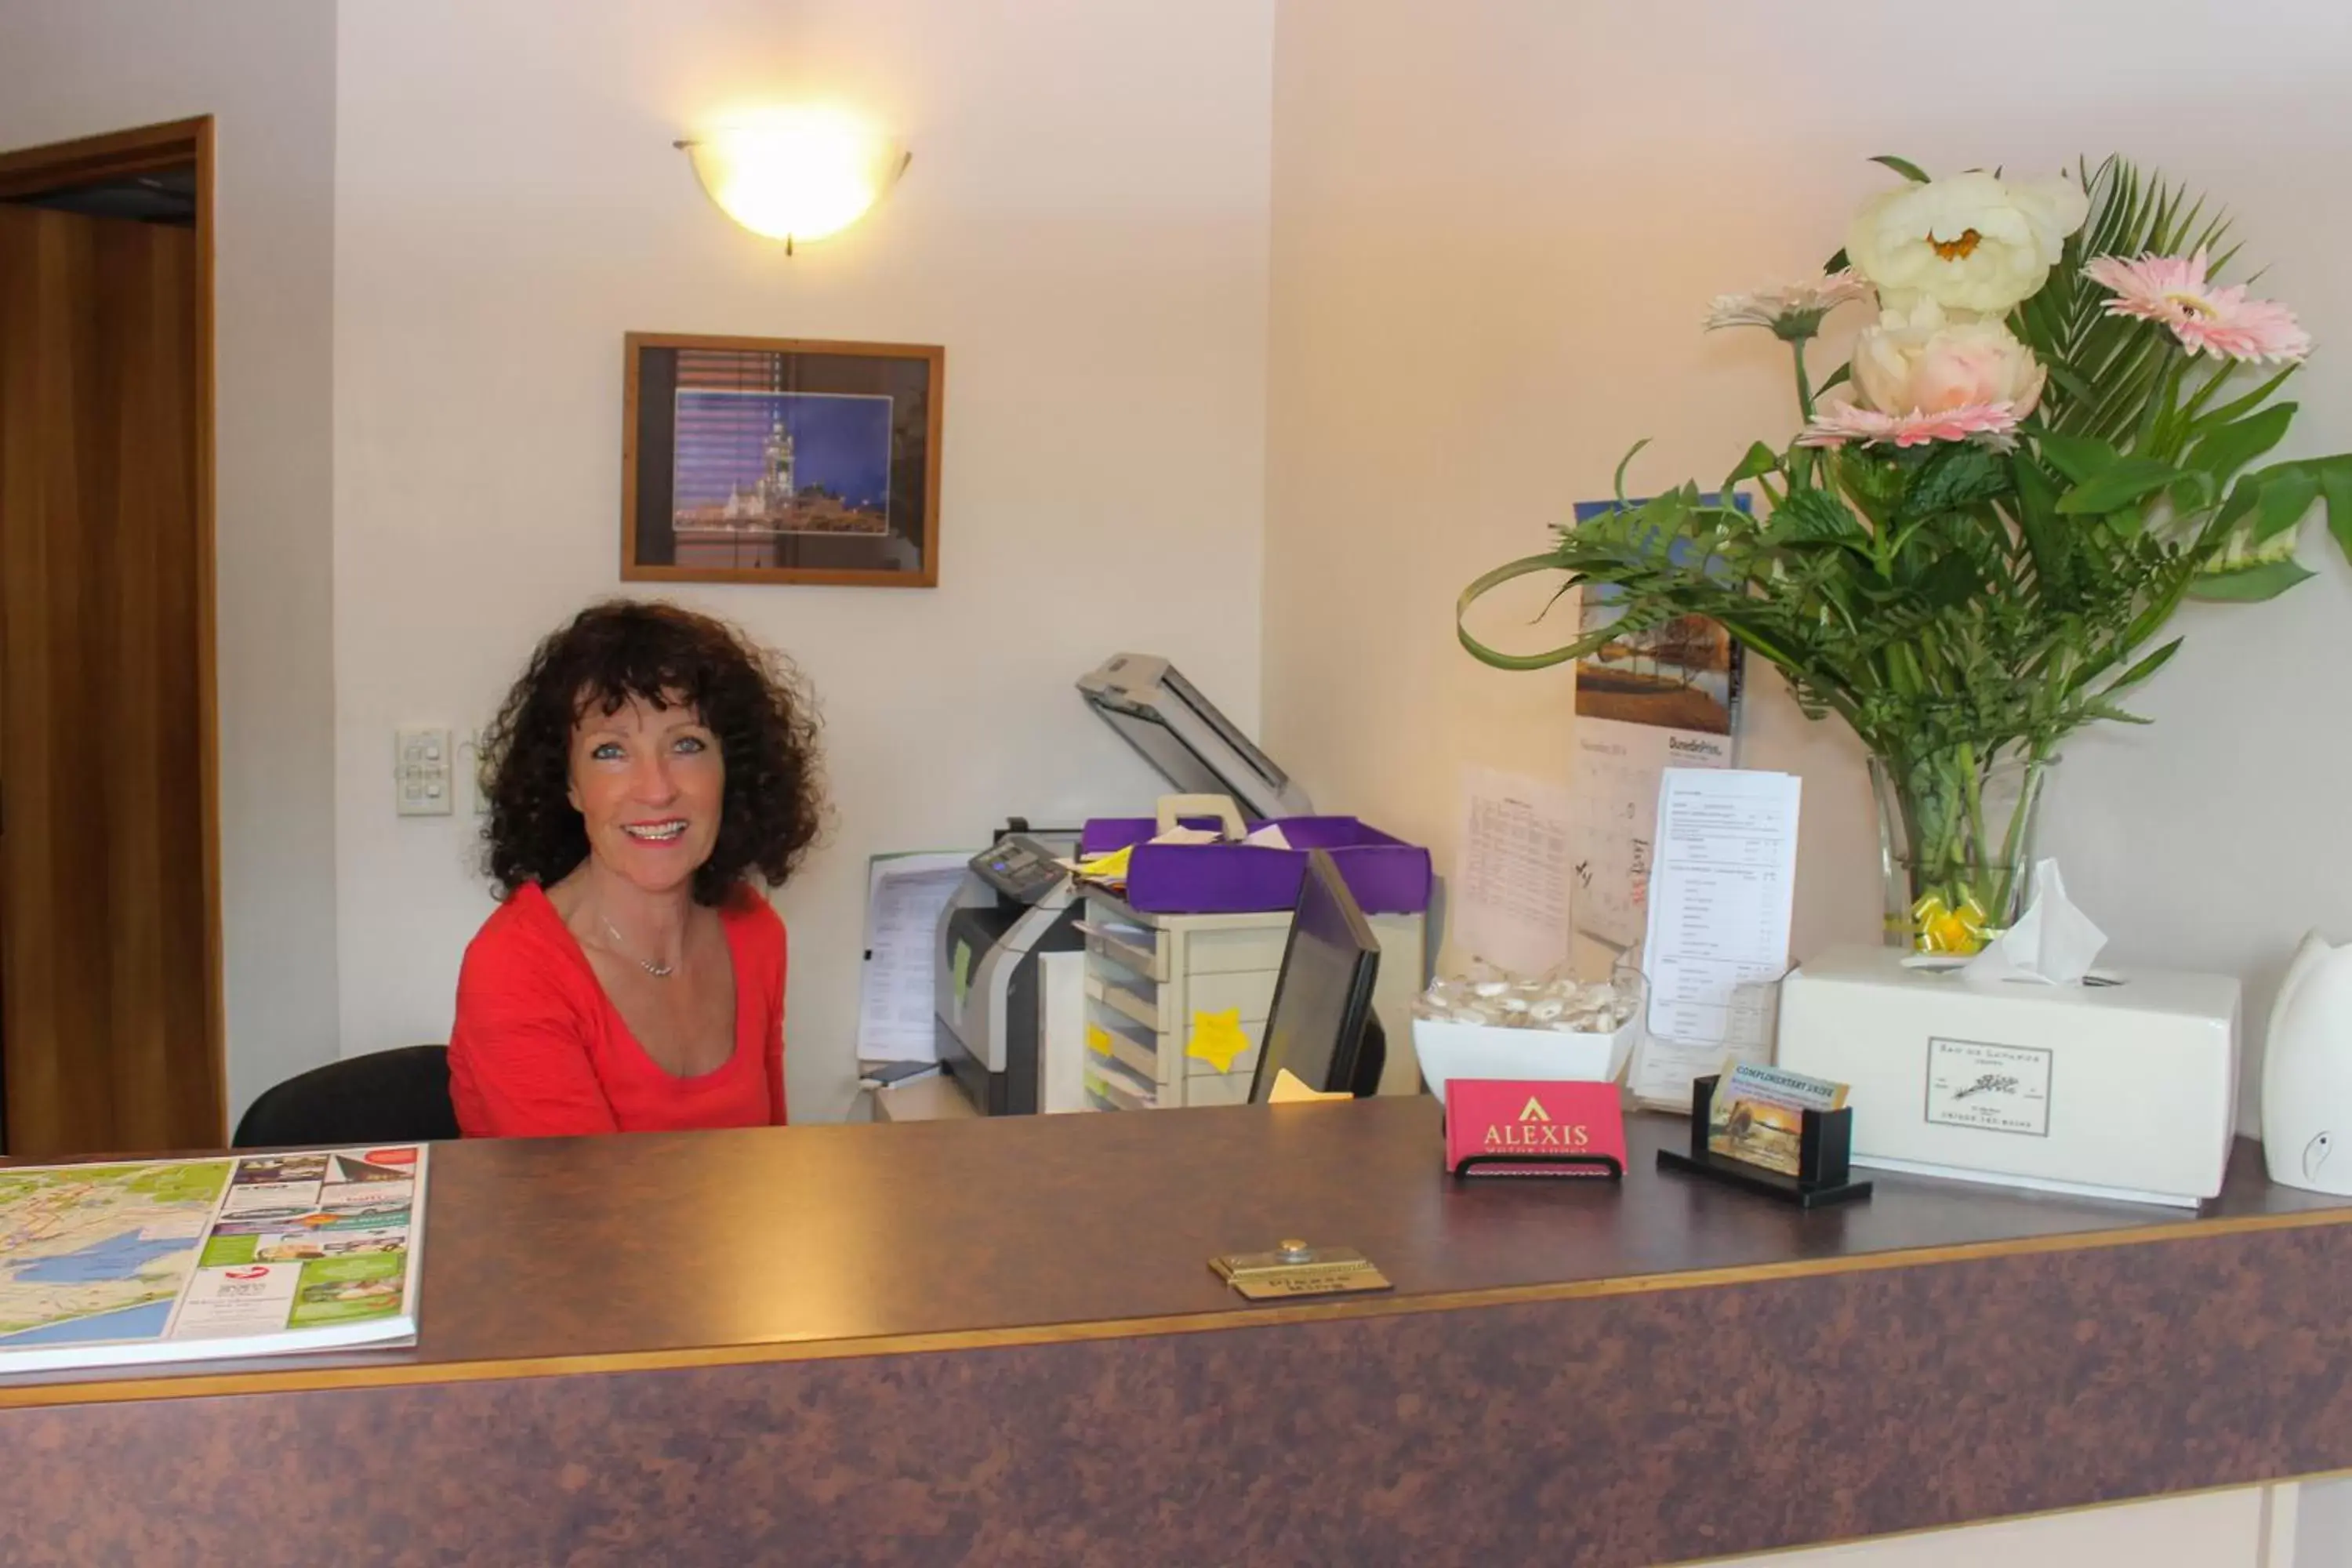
2307, 1072
1174, 808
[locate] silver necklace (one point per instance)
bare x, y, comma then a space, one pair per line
659, 971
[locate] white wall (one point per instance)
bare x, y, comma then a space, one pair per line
1084, 227
2323, 1525
2233, 1529
265, 70
1494, 238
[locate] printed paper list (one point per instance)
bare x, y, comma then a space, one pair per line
1511, 886
1720, 897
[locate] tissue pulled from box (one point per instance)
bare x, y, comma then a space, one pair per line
1488, 996
2053, 943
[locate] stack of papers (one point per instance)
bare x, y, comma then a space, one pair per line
905, 895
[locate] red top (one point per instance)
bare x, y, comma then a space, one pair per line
539, 1050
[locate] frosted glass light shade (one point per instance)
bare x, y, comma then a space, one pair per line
796, 174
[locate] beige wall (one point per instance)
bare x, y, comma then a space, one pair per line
1494, 237
1084, 227
1490, 238
265, 70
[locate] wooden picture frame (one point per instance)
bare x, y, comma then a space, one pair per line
781, 460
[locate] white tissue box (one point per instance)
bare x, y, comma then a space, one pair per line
2125, 1091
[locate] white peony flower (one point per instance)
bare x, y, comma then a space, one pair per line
1920, 361
1973, 242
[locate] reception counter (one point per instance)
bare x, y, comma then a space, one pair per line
1000, 1342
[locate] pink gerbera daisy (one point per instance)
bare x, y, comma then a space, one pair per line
1834, 423
2174, 292
1793, 311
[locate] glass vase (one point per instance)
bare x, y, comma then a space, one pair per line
1956, 836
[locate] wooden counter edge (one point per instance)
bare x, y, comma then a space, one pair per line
281, 1378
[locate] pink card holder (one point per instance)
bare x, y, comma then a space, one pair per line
1504, 1127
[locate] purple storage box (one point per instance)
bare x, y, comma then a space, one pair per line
1387, 876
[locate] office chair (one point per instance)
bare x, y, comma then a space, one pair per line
1372, 1059
385, 1096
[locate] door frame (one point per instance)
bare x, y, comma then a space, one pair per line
119, 155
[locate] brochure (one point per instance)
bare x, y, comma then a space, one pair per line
233, 1254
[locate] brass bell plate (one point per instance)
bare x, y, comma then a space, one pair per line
1295, 1270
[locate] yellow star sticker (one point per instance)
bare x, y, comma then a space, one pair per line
1217, 1038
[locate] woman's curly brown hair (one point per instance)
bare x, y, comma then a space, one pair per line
751, 699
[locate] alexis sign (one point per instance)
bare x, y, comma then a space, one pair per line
1503, 1127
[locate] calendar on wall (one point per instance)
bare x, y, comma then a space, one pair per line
1667, 697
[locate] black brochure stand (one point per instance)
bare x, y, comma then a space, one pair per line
1823, 1148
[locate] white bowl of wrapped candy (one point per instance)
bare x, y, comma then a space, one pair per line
1491, 1025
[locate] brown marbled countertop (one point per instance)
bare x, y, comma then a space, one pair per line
669, 1250
943, 1343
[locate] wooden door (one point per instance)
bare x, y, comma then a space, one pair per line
106, 976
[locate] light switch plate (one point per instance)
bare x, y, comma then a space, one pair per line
422, 772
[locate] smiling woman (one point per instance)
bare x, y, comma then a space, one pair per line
647, 767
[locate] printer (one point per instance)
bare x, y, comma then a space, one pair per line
1008, 974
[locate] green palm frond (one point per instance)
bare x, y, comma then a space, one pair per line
2106, 371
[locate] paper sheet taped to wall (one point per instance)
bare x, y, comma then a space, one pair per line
1511, 883
1614, 782
1665, 696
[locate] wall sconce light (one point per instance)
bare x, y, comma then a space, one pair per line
797, 173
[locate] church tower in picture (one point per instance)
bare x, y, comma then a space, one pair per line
777, 488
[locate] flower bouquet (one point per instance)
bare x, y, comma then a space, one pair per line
2053, 434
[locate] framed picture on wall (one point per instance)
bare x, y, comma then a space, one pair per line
774, 460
